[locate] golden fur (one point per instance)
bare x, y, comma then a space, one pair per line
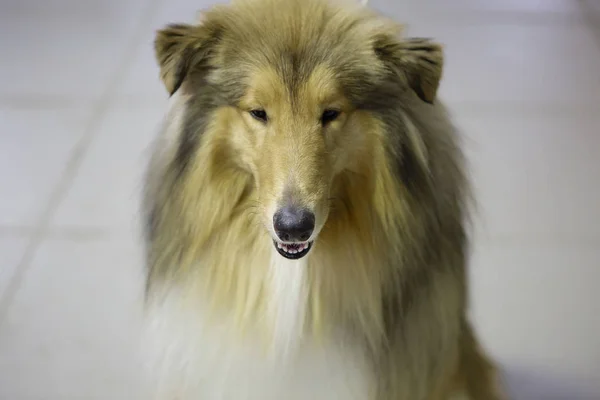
385, 181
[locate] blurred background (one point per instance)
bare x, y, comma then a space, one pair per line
80, 100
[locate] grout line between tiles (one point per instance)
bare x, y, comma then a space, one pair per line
76, 158
481, 233
66, 233
39, 102
16, 231
477, 16
521, 108
502, 18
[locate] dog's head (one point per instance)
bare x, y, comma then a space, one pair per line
296, 89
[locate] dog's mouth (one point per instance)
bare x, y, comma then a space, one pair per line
293, 251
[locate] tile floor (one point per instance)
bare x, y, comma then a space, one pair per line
80, 101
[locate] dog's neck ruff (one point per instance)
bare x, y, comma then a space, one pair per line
203, 358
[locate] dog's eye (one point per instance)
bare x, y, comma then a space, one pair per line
260, 115
328, 116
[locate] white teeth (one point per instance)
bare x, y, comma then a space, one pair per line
292, 250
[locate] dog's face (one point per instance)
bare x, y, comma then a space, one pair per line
297, 88
295, 140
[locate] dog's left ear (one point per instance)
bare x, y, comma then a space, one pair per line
418, 61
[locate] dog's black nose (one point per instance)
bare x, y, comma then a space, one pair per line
294, 224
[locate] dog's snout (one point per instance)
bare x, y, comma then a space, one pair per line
294, 224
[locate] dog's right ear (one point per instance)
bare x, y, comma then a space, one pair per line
418, 61
178, 47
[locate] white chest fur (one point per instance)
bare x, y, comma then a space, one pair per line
197, 359
287, 303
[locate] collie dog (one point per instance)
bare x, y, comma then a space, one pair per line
306, 210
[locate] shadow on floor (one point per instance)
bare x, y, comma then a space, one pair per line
525, 384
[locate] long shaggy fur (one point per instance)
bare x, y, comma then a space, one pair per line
377, 309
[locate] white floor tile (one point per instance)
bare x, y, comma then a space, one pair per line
521, 76
536, 309
34, 148
106, 189
68, 49
11, 252
143, 77
491, 62
536, 175
72, 332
